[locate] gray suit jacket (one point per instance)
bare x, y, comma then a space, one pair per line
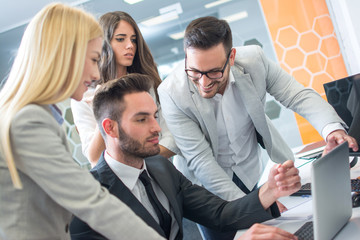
186, 200
54, 187
191, 118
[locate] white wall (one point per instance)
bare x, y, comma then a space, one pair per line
345, 15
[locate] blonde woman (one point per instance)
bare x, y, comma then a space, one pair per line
40, 184
124, 51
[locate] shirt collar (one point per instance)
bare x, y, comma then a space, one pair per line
231, 77
127, 174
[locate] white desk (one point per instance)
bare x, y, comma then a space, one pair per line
300, 208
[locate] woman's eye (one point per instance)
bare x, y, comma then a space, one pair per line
119, 39
134, 40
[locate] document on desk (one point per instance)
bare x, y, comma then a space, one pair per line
311, 150
302, 211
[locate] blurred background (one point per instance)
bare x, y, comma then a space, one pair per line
316, 41
161, 22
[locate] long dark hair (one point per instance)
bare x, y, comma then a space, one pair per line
143, 61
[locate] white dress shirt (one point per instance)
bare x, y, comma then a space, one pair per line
238, 152
130, 177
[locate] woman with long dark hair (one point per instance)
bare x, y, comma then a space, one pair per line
124, 51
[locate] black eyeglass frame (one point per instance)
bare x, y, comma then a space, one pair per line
206, 73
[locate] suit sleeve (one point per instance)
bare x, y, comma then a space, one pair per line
195, 149
290, 93
203, 207
41, 153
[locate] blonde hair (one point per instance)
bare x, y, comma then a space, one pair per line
48, 67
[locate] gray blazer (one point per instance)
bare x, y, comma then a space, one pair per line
186, 200
54, 187
191, 118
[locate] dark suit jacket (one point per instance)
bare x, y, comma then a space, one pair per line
186, 199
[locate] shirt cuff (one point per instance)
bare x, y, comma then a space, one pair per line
329, 128
274, 210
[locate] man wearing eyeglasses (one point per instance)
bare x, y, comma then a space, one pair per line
215, 111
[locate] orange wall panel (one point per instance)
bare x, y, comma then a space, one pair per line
306, 47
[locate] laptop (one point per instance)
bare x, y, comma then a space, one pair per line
332, 206
305, 189
344, 95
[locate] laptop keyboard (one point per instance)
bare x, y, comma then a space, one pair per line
355, 185
306, 188
306, 231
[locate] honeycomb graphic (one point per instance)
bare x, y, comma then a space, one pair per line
307, 48
253, 41
72, 135
272, 109
338, 93
310, 55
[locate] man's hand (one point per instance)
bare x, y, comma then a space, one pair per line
283, 180
260, 231
336, 138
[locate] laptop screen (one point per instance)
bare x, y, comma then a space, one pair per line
344, 96
331, 192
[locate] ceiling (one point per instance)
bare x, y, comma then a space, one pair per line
164, 49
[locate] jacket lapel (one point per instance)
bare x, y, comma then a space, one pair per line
207, 115
163, 178
116, 187
252, 103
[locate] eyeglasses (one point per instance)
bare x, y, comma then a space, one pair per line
212, 74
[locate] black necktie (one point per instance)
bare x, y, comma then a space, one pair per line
163, 215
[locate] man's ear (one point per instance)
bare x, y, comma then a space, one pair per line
110, 127
232, 57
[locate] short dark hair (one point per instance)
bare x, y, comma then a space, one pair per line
108, 99
207, 32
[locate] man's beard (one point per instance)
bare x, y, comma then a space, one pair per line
132, 147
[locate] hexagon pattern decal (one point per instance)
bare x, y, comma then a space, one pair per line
306, 47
